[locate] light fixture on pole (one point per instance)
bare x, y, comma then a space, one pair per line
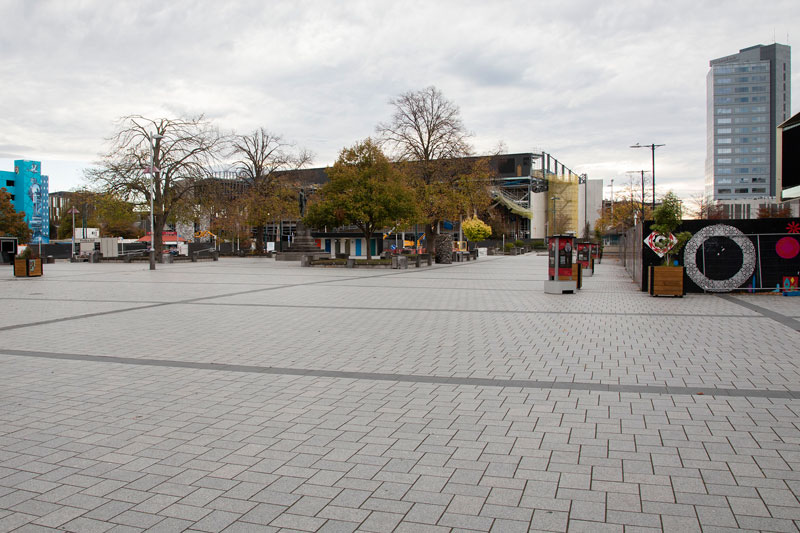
653, 160
153, 138
583, 178
73, 212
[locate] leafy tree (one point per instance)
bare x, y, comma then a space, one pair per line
427, 134
116, 217
183, 150
666, 219
265, 162
12, 223
365, 190
476, 229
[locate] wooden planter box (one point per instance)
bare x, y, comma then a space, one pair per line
27, 268
666, 281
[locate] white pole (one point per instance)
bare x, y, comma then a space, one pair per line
73, 233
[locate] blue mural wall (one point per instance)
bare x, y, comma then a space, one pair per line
30, 190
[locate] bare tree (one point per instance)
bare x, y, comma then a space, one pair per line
182, 152
265, 161
426, 134
425, 126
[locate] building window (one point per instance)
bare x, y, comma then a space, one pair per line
741, 191
723, 121
721, 131
9, 183
723, 150
506, 166
723, 171
723, 100
742, 89
759, 89
723, 181
723, 160
723, 111
724, 140
723, 191
742, 99
13, 197
760, 189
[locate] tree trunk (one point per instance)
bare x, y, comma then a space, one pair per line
156, 233
430, 238
260, 230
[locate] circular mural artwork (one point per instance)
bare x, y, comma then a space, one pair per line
787, 248
719, 285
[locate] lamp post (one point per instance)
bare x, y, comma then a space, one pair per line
73, 211
653, 161
153, 138
583, 178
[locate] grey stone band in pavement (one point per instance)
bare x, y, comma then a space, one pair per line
777, 317
412, 378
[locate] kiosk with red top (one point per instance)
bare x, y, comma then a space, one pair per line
585, 258
561, 279
596, 252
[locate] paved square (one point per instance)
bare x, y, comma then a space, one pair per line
250, 395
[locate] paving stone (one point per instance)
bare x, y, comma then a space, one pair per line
202, 433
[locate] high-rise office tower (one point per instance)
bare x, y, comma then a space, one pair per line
748, 95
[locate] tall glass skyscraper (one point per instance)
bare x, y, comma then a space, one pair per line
748, 95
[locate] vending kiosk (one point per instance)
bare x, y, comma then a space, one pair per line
584, 257
596, 255
561, 276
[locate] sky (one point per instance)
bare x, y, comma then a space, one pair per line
581, 80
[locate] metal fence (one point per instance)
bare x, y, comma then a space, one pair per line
631, 248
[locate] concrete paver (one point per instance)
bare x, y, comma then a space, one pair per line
251, 395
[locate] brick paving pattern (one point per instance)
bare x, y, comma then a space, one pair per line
250, 395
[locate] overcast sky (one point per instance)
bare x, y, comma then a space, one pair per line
581, 80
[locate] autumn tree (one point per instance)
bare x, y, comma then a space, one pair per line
84, 201
774, 211
365, 190
116, 217
12, 223
427, 135
264, 161
181, 154
703, 208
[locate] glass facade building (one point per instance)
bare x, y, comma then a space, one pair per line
748, 95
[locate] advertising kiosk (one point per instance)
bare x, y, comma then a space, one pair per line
561, 279
585, 258
596, 255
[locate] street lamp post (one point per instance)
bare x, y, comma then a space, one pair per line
583, 178
653, 161
153, 137
73, 211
